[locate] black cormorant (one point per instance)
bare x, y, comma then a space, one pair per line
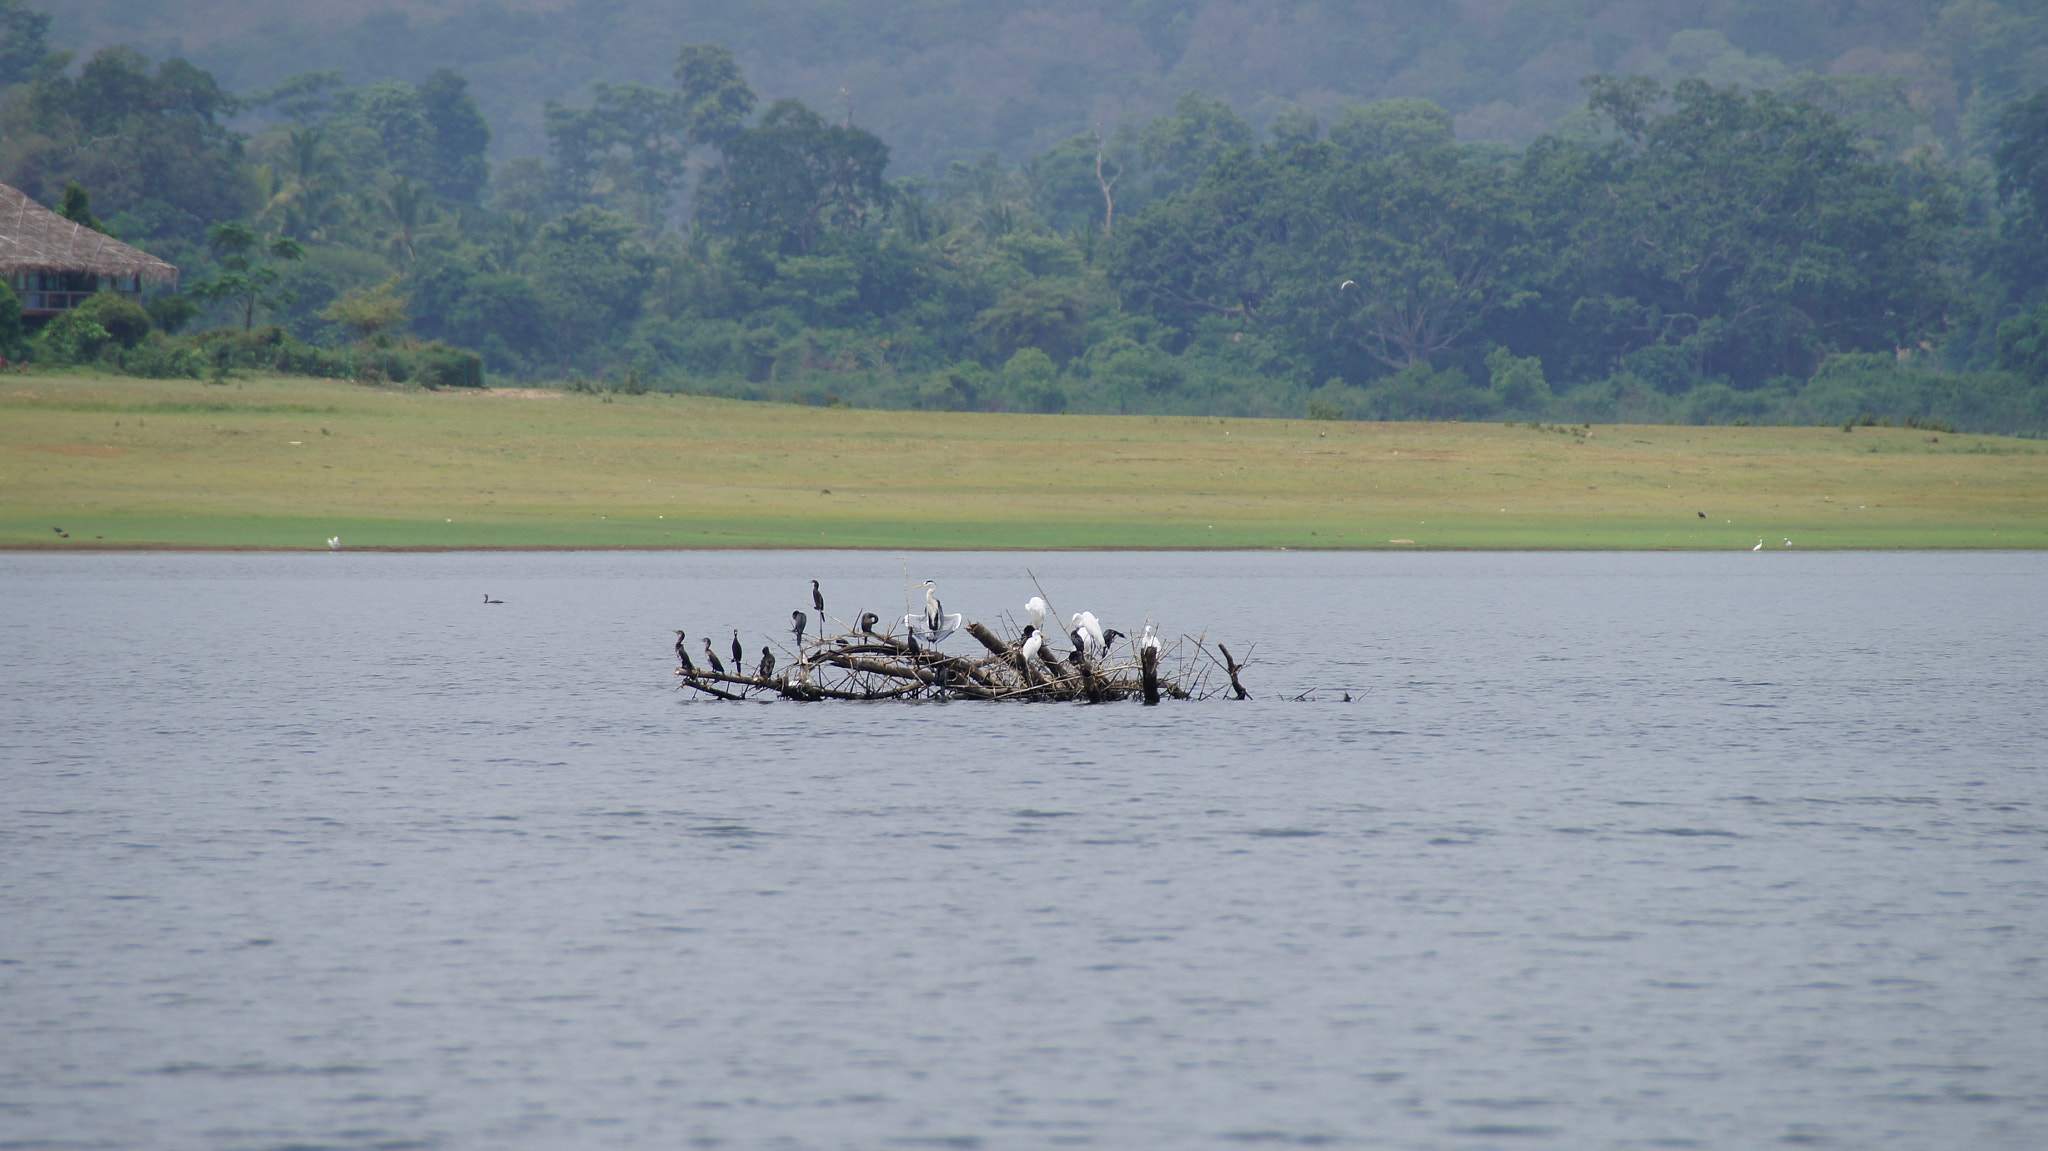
739, 654
817, 598
488, 599
868, 620
796, 626
767, 662
683, 654
716, 665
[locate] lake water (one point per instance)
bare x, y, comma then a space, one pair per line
1605, 851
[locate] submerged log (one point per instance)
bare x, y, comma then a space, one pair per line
863, 664
1231, 665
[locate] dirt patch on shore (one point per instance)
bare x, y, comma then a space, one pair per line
100, 451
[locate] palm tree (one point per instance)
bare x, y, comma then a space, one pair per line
406, 208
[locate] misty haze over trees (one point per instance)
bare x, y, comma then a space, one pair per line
1735, 211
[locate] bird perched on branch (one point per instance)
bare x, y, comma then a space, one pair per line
1110, 637
1088, 631
817, 599
716, 665
868, 620
739, 654
683, 654
1036, 608
1033, 644
1150, 642
796, 626
935, 623
767, 662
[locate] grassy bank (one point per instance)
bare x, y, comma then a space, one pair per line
286, 463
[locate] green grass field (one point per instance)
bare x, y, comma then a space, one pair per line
269, 462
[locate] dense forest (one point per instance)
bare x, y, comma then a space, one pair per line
1806, 212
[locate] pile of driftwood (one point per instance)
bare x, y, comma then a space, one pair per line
866, 664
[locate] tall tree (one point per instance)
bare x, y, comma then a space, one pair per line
795, 178
1751, 236
628, 144
458, 169
249, 275
24, 48
716, 98
133, 134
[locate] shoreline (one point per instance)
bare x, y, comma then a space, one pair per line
282, 464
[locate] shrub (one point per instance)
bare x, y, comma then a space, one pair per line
159, 357
72, 338
124, 319
11, 341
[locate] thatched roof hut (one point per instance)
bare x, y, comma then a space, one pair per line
54, 263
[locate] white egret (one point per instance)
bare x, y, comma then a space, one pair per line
334, 543
1033, 643
1759, 544
1149, 642
1085, 625
1037, 609
1788, 543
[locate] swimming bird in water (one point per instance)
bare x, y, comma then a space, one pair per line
716, 665
683, 654
767, 662
739, 654
488, 599
796, 626
817, 598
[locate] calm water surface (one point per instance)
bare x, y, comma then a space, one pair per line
1606, 851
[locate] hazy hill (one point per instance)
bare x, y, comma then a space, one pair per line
947, 80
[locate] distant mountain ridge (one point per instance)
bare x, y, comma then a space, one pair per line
949, 81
